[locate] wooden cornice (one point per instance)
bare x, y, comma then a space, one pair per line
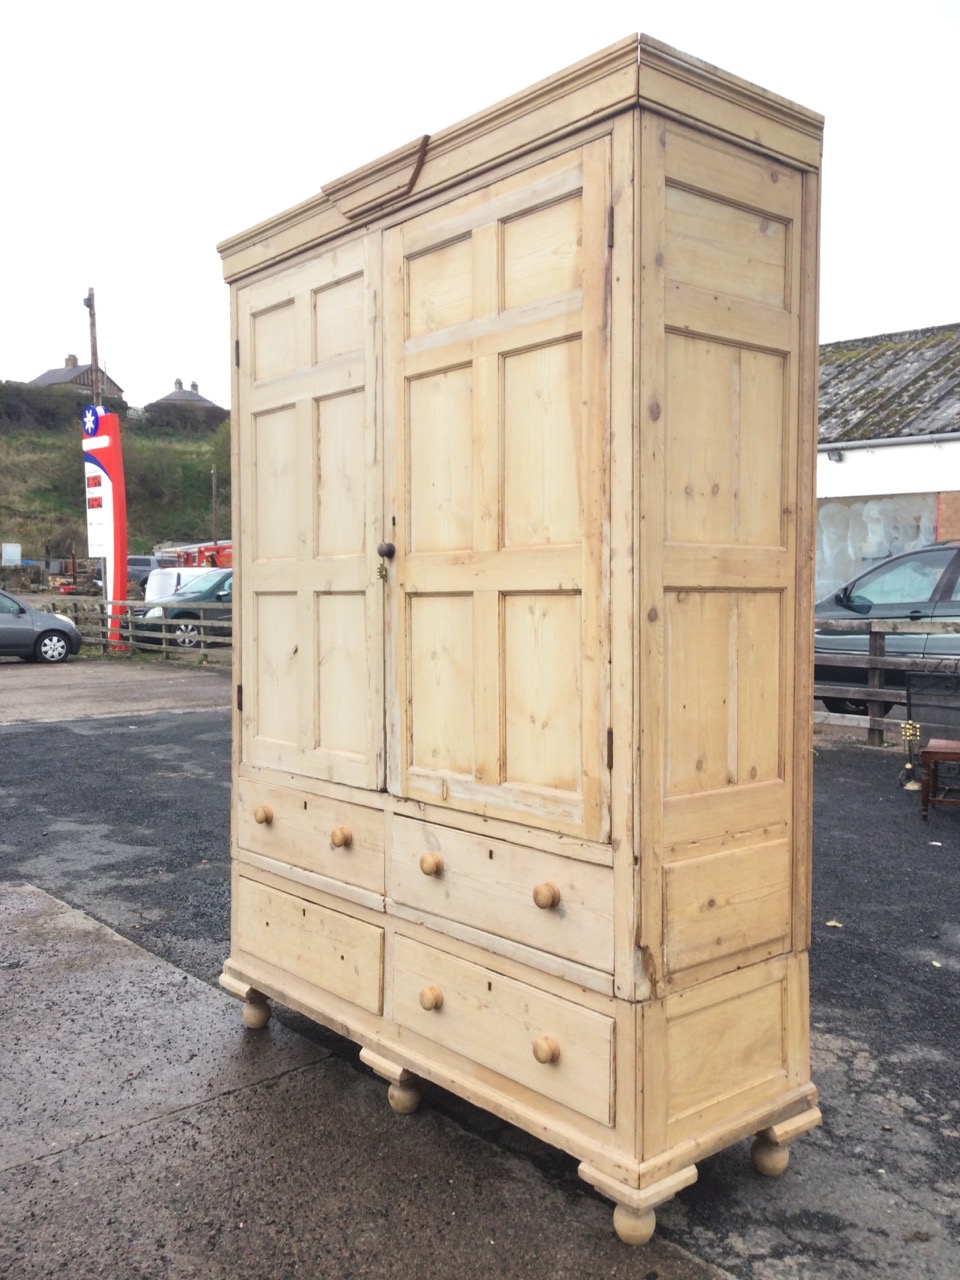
376, 186
636, 70
590, 90
687, 88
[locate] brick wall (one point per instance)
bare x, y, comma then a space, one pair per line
948, 515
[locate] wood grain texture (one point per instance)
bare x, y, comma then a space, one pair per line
498, 378
496, 1021
538, 772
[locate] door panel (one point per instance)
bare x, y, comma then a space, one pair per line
495, 328
310, 510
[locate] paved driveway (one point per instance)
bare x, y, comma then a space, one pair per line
84, 688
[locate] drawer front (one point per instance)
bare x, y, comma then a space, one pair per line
330, 837
496, 886
550, 1045
327, 948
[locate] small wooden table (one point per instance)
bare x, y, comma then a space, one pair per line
937, 751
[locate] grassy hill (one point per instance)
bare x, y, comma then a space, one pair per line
168, 455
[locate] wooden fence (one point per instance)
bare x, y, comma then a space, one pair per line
874, 691
211, 635
108, 626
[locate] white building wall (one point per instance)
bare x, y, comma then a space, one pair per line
921, 467
873, 502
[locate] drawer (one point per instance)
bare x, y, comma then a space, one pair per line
327, 948
551, 1045
330, 837
543, 900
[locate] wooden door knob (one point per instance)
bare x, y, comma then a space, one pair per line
341, 837
431, 998
263, 813
546, 895
431, 864
546, 1049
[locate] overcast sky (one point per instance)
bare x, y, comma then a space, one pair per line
135, 137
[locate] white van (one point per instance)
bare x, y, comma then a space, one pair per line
167, 582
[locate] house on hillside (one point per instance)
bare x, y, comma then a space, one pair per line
184, 399
888, 463
185, 410
77, 376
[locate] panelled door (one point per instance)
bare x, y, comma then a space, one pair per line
310, 510
497, 401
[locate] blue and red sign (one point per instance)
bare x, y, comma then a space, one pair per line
106, 498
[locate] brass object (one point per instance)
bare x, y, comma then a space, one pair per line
911, 741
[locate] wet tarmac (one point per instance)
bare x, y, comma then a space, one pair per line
144, 1133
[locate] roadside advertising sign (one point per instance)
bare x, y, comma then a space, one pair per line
106, 504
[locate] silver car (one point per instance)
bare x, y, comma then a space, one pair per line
34, 635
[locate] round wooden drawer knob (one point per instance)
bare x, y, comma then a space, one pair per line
546, 1049
431, 998
431, 864
546, 895
263, 813
341, 837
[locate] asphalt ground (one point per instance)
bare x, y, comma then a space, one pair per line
143, 1133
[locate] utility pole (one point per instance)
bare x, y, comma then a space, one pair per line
94, 360
213, 481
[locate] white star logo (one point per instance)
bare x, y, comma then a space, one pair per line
89, 423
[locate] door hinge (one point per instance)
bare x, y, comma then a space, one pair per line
610, 227
239, 697
236, 352
609, 748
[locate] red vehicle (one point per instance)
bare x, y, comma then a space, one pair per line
213, 555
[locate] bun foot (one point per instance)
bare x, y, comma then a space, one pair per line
634, 1226
404, 1092
769, 1158
404, 1097
256, 1014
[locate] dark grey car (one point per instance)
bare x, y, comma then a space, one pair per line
34, 635
915, 586
200, 610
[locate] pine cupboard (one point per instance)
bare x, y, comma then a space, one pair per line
524, 420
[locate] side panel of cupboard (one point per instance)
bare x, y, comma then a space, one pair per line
726, 313
721, 312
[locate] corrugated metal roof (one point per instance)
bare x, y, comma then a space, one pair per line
894, 385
